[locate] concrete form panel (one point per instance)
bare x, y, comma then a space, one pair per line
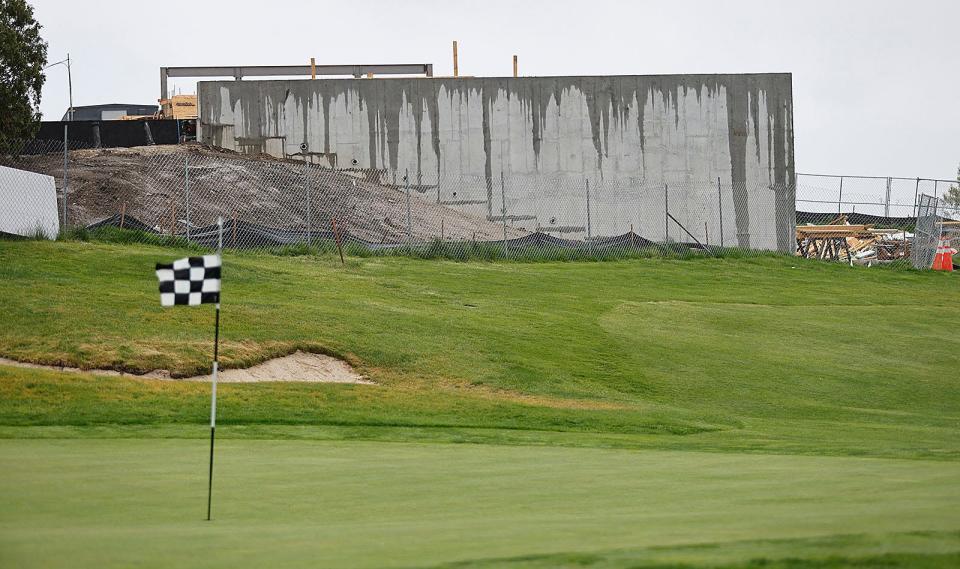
28, 204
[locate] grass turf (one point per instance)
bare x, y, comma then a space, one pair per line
123, 503
540, 364
770, 354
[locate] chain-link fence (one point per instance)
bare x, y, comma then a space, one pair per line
887, 200
26, 208
175, 194
927, 234
178, 192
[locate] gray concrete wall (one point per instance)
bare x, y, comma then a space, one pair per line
546, 135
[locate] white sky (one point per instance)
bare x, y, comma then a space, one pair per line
876, 83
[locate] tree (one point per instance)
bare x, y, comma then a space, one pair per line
951, 197
23, 55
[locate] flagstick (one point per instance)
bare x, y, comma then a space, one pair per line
213, 393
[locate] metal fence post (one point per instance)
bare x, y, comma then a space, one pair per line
840, 197
186, 190
916, 197
406, 179
503, 212
306, 183
66, 175
666, 215
886, 201
720, 201
589, 233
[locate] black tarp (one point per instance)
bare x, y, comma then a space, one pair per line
129, 222
243, 235
104, 134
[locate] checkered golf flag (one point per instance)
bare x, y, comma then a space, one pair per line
191, 281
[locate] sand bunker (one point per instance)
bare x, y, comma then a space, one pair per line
299, 366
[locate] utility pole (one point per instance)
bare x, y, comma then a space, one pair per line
69, 83
70, 87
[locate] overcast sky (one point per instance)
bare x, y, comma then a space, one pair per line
876, 83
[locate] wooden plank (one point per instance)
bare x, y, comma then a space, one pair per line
180, 107
833, 235
816, 228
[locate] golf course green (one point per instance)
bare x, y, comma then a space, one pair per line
752, 412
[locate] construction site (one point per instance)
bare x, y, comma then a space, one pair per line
456, 285
393, 156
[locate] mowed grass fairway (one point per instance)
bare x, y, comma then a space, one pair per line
731, 412
139, 503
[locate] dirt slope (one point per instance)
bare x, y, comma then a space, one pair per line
148, 183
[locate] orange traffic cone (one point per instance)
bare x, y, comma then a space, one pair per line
943, 260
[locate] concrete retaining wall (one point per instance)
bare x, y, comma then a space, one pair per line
687, 131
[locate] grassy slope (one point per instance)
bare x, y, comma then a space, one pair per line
769, 353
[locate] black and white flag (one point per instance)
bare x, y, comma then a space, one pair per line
191, 281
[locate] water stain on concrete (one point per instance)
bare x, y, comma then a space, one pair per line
608, 102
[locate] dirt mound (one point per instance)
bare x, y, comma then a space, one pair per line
149, 183
299, 366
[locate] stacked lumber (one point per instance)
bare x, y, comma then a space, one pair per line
841, 241
181, 107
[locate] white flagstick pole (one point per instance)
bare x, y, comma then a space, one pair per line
213, 393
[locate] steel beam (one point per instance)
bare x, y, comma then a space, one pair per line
241, 71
